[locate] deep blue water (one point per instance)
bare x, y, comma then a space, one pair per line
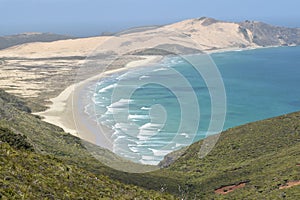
144, 106
260, 83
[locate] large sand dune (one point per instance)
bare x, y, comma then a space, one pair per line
43, 69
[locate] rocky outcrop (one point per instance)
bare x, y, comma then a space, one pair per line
267, 35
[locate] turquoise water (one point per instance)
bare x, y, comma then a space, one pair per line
144, 106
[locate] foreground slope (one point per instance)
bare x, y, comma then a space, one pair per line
29, 175
40, 160
260, 160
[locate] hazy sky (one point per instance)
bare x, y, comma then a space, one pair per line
91, 17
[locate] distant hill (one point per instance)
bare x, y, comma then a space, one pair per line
9, 41
217, 34
208, 33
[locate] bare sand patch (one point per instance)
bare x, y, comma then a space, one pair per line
229, 188
289, 184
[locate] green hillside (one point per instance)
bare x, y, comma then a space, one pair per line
264, 155
28, 175
258, 158
40, 161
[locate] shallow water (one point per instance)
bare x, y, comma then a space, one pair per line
144, 106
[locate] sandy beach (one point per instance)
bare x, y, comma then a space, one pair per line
66, 113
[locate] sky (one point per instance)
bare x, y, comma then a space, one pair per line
92, 17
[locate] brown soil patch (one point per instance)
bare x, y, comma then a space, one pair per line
229, 188
298, 165
289, 184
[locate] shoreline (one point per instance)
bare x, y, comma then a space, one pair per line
66, 113
210, 52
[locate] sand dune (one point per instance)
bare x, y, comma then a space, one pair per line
61, 48
217, 35
23, 67
210, 34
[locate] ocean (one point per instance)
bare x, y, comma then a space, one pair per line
157, 109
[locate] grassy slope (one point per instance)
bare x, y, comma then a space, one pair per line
55, 151
27, 175
263, 153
